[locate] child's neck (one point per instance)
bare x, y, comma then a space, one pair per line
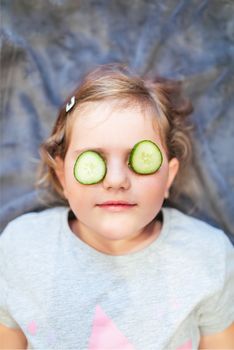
118, 247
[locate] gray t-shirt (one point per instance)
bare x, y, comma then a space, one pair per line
64, 294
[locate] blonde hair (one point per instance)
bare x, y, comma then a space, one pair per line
114, 81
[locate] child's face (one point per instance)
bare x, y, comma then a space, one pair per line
116, 131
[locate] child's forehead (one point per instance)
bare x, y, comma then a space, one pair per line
109, 125
113, 112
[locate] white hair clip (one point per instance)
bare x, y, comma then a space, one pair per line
70, 104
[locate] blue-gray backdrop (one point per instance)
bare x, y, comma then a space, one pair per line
48, 45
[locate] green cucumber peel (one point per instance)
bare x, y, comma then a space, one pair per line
146, 158
90, 168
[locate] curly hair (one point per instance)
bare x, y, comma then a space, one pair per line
115, 81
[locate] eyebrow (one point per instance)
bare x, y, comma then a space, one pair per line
97, 149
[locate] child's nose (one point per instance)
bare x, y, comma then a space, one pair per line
117, 175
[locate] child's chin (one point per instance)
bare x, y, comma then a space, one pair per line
117, 233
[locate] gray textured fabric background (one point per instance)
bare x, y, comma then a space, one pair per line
47, 46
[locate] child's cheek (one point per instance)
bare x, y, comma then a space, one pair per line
152, 187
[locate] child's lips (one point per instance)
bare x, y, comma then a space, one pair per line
119, 202
116, 206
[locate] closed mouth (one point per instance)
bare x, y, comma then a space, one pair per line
116, 205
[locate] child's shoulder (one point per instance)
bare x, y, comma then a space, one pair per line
28, 225
36, 217
189, 223
195, 232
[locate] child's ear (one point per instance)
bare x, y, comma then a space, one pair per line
173, 170
59, 170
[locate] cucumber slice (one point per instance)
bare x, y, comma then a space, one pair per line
89, 168
145, 157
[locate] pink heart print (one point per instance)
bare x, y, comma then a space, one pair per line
105, 334
32, 327
186, 346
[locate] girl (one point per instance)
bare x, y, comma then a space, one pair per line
113, 267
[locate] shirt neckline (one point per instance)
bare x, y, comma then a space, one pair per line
91, 251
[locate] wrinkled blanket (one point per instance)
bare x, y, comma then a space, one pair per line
47, 46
